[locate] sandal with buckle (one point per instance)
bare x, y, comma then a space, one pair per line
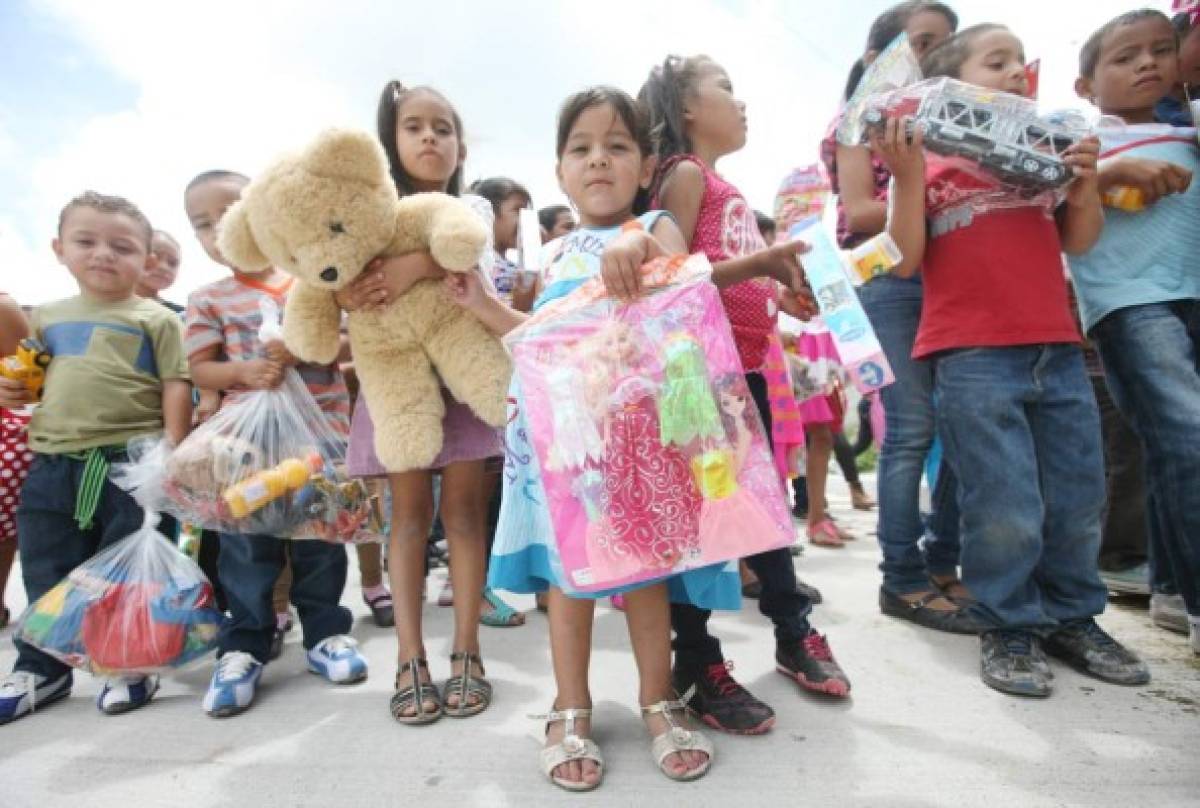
501, 614
466, 687
571, 747
416, 694
825, 534
677, 739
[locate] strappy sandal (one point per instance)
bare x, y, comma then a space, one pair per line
677, 739
825, 534
571, 747
466, 687
416, 694
382, 610
501, 615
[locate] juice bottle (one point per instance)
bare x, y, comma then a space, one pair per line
266, 486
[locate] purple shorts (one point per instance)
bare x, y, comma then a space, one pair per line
465, 437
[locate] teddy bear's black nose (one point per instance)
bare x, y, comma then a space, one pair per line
329, 274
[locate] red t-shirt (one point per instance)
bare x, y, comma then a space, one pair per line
993, 268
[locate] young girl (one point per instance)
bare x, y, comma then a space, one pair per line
422, 136
920, 587
604, 163
1015, 409
14, 425
698, 120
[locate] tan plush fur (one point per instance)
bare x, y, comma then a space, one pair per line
322, 216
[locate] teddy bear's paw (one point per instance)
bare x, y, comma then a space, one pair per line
308, 348
493, 410
458, 246
409, 446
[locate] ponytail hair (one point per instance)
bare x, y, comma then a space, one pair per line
390, 100
889, 25
664, 94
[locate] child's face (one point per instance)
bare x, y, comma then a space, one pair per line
926, 30
205, 204
507, 220
1138, 65
427, 141
166, 268
1189, 61
564, 223
105, 252
712, 113
602, 168
997, 62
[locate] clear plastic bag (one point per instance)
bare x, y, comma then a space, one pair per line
139, 607
1001, 133
895, 67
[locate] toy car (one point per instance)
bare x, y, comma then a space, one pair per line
999, 131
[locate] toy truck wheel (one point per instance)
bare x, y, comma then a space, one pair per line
1051, 174
1030, 165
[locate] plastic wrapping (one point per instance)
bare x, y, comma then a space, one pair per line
653, 457
803, 194
138, 607
999, 132
895, 67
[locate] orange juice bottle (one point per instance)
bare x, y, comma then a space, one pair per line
1126, 198
266, 486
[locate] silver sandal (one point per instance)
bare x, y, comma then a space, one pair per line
571, 747
467, 686
677, 739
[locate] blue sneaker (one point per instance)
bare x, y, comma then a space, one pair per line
124, 693
338, 660
22, 692
233, 684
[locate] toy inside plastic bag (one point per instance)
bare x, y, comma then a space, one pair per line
999, 132
138, 607
652, 454
803, 194
894, 68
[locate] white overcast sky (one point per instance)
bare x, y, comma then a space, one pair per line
134, 98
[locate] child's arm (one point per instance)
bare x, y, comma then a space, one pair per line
865, 215
1081, 218
13, 325
682, 193
1154, 178
386, 279
177, 409
467, 290
906, 161
210, 372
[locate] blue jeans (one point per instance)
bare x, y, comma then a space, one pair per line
1153, 372
51, 543
249, 566
1021, 427
894, 308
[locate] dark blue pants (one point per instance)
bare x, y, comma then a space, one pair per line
249, 567
51, 543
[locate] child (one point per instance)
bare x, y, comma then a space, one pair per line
14, 443
507, 199
223, 321
156, 281
118, 373
1016, 412
604, 164
919, 586
699, 120
1139, 294
556, 222
422, 134
1173, 108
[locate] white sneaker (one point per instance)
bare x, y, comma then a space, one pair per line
233, 684
338, 660
21, 692
1168, 611
124, 693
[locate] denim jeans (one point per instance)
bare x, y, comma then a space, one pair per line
780, 600
1153, 372
1021, 427
894, 308
249, 567
51, 543
1123, 531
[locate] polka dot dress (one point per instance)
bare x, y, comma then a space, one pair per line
15, 458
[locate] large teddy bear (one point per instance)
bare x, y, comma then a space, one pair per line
322, 215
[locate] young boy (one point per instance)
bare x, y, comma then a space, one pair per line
118, 373
1017, 415
1139, 292
223, 320
156, 281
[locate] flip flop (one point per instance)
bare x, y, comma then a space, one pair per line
501, 615
825, 534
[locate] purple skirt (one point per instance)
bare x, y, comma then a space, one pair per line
465, 437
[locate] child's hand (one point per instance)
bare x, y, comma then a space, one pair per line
260, 374
386, 279
278, 352
905, 159
14, 394
801, 305
781, 262
1154, 178
467, 289
621, 264
210, 402
1081, 158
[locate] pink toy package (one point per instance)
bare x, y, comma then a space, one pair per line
652, 453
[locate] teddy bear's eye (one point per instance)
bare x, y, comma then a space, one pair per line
336, 227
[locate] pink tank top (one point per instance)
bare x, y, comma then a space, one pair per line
726, 228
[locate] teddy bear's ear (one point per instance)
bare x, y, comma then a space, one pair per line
348, 154
236, 241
